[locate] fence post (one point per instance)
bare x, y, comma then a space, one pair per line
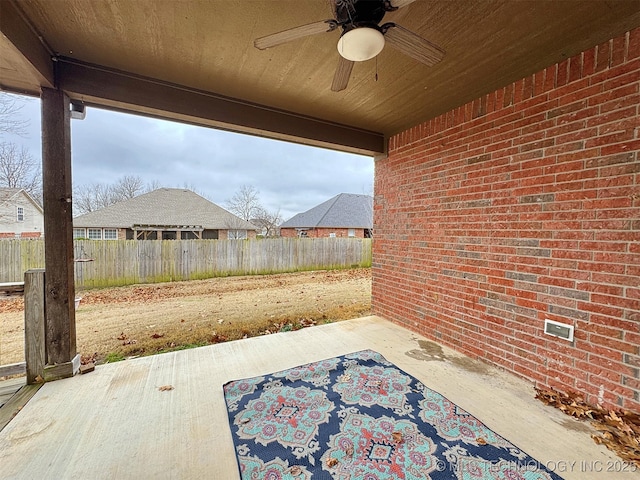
34, 326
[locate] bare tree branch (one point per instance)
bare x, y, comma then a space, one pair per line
151, 186
127, 187
18, 169
83, 200
191, 186
267, 221
89, 198
10, 121
245, 203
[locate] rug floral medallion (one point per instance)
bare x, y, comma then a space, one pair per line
359, 417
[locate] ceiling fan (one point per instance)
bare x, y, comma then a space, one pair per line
362, 36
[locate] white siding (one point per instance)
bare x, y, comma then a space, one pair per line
33, 218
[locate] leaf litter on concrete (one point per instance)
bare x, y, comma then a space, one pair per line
618, 430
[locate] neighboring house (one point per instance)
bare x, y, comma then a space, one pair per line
345, 215
164, 214
20, 215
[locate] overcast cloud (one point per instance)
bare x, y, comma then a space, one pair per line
292, 178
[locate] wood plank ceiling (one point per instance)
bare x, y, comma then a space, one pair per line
207, 47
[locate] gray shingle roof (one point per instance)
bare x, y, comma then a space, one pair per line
346, 210
165, 206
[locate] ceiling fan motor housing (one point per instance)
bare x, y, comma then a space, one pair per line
355, 13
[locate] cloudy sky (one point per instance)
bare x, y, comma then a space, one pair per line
289, 177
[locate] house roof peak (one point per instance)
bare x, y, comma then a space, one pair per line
345, 210
164, 206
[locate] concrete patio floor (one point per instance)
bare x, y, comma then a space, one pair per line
116, 423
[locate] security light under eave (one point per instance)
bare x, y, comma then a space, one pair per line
78, 111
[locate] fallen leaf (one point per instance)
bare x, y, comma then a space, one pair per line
397, 437
481, 441
619, 430
86, 359
332, 462
157, 335
165, 388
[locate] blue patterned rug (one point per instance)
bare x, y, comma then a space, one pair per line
360, 417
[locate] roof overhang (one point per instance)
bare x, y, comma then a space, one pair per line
195, 62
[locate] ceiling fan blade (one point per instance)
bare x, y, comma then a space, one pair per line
401, 3
279, 38
412, 44
341, 77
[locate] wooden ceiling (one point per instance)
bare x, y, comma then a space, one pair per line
195, 61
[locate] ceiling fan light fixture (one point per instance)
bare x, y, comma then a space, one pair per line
360, 44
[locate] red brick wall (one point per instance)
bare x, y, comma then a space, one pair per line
520, 206
22, 235
25, 235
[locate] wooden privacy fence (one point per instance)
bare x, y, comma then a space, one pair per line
18, 256
103, 263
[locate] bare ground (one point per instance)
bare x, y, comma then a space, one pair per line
144, 319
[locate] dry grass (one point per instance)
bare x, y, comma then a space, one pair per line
178, 338
119, 322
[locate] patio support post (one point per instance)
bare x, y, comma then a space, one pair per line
34, 325
61, 358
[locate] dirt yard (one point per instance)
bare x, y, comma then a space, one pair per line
115, 323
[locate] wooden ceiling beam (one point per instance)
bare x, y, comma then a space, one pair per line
25, 39
101, 86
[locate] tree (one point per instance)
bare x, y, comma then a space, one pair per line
18, 169
127, 187
151, 186
268, 222
89, 198
10, 121
245, 202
